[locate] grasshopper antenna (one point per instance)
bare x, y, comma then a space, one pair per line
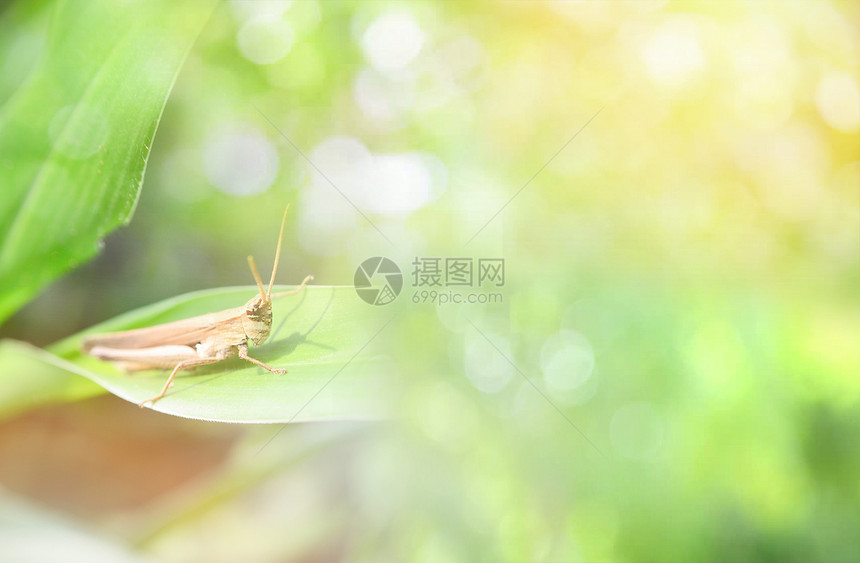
277, 254
257, 276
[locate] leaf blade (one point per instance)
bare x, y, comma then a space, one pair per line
31, 377
75, 136
323, 336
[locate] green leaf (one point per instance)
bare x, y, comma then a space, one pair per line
324, 336
30, 376
75, 137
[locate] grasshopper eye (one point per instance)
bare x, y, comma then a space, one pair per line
259, 308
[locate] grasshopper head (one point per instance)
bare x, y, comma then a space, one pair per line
257, 321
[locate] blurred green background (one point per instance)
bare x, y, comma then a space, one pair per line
674, 373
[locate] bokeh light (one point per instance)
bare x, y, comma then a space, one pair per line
240, 163
672, 373
265, 39
392, 41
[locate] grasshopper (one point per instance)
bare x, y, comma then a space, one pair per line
206, 339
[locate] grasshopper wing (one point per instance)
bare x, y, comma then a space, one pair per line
187, 332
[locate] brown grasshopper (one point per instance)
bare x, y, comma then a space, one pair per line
206, 339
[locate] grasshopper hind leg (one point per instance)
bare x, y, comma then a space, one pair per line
184, 364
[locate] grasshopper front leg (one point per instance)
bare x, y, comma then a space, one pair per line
243, 353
